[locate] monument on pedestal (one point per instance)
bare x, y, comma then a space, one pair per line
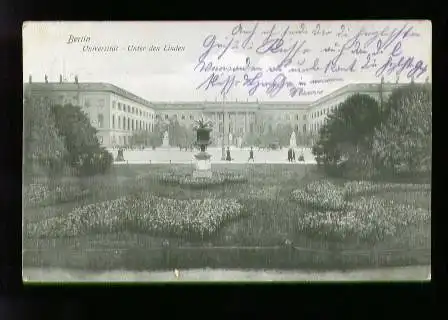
230, 139
292, 140
240, 142
203, 163
166, 140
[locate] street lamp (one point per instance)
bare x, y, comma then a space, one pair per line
223, 148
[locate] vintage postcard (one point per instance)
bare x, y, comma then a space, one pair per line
227, 151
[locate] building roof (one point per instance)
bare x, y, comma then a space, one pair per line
86, 86
358, 87
160, 105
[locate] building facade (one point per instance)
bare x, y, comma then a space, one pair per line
117, 114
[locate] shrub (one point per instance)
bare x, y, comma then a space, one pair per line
320, 194
145, 213
96, 162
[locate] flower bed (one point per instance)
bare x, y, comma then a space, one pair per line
330, 212
320, 194
144, 212
366, 218
217, 178
355, 188
40, 194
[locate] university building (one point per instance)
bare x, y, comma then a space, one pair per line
117, 113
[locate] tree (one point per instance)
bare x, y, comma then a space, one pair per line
282, 133
251, 139
348, 134
140, 138
402, 144
83, 148
44, 148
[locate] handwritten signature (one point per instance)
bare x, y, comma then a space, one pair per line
254, 82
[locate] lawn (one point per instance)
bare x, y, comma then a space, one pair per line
268, 219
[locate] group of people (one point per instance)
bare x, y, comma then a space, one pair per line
292, 156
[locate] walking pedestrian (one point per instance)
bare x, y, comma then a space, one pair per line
251, 155
228, 157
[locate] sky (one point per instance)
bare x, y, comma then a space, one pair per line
171, 76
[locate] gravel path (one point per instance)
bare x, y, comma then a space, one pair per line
385, 274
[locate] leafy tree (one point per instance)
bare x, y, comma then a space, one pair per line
348, 133
402, 145
251, 139
282, 133
44, 148
83, 148
140, 138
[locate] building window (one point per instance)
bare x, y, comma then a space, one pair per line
119, 122
129, 109
113, 104
100, 120
119, 106
166, 117
113, 121
304, 117
304, 128
297, 128
124, 123
132, 125
192, 117
297, 117
152, 127
129, 124
87, 103
183, 117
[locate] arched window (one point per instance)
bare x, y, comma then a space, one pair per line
113, 121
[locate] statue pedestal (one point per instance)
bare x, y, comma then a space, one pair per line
203, 165
165, 143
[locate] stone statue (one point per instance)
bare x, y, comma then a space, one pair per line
230, 138
166, 141
292, 140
